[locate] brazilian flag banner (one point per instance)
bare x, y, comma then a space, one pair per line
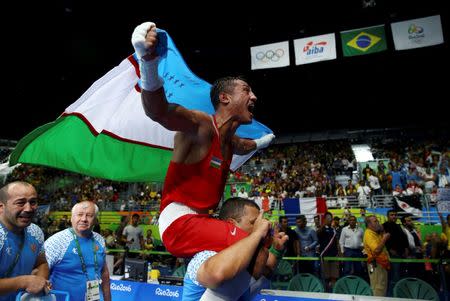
363, 41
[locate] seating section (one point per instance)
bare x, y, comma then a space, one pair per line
282, 275
305, 282
414, 288
352, 285
180, 271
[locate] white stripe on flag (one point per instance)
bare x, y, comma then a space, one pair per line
308, 207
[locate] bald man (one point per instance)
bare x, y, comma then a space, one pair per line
21, 242
76, 257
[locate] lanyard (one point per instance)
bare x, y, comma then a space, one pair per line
83, 263
16, 259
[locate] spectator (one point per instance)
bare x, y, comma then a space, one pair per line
149, 241
398, 191
308, 242
21, 243
363, 193
76, 257
374, 183
242, 193
362, 218
292, 245
377, 256
133, 234
351, 244
446, 231
415, 247
397, 247
328, 241
121, 243
110, 240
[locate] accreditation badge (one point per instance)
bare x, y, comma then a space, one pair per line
93, 290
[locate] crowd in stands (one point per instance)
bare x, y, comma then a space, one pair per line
296, 170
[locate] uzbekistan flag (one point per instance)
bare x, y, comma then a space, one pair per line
106, 133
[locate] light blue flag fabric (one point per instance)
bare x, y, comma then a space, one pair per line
185, 88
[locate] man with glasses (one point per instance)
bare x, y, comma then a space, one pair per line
21, 242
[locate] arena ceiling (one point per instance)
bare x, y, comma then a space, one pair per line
58, 49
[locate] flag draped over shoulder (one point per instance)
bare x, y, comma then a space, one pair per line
106, 133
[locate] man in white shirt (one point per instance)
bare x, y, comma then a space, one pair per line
242, 193
351, 244
363, 193
374, 184
133, 234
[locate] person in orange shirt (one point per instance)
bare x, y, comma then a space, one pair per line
377, 255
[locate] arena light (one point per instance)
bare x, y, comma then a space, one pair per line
362, 152
368, 3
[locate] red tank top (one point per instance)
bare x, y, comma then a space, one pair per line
200, 185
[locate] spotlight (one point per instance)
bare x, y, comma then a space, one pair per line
368, 3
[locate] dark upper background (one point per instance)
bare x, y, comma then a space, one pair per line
56, 51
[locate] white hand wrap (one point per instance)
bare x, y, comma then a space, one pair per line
138, 38
264, 141
150, 79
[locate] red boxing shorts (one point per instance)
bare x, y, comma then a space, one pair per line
185, 232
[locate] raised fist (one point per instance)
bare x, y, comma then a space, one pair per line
144, 40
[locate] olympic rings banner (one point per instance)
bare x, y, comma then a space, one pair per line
273, 55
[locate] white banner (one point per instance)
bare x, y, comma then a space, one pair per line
315, 49
273, 55
417, 33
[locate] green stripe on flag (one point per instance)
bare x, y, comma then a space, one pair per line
363, 41
69, 144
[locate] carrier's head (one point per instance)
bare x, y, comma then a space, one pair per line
242, 212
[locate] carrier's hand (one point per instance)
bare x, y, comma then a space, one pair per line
279, 239
264, 141
144, 40
261, 225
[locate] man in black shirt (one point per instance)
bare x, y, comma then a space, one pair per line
328, 241
397, 246
292, 245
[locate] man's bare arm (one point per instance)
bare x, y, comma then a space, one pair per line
172, 116
41, 266
30, 283
233, 260
243, 146
106, 284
